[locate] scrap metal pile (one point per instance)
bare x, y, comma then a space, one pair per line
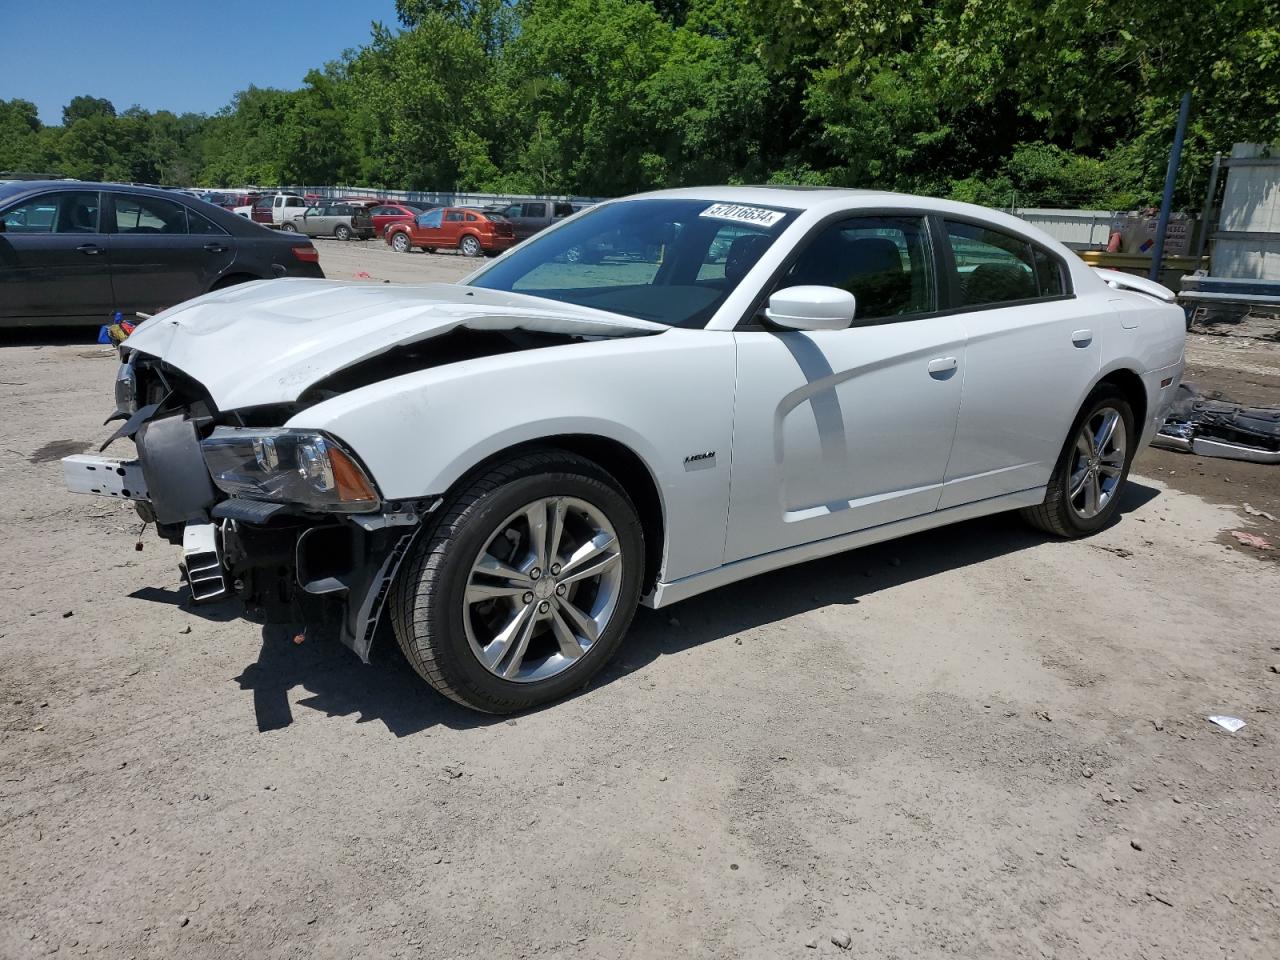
1215, 427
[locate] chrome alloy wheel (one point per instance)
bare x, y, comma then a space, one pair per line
543, 589
1097, 463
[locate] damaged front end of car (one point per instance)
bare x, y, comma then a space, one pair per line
288, 521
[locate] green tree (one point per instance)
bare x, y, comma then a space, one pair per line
83, 107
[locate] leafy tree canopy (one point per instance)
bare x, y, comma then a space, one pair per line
1034, 102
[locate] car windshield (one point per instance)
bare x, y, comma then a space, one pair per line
669, 261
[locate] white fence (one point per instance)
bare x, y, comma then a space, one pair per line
1078, 229
443, 198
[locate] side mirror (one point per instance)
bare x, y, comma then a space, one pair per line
811, 308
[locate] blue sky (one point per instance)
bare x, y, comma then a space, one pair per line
180, 55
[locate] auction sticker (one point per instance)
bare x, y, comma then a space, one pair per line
741, 213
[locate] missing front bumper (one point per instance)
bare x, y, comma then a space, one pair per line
105, 477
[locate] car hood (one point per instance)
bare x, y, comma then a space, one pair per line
268, 341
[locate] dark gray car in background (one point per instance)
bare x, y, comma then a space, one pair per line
73, 252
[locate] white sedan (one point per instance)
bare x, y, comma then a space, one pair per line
660, 395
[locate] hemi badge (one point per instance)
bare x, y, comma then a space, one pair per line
700, 461
1166, 381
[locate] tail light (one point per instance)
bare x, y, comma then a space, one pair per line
307, 254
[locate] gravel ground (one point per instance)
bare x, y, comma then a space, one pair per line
973, 742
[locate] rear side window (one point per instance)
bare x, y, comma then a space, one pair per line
992, 266
149, 215
564, 210
535, 209
199, 224
883, 261
293, 202
1048, 273
471, 218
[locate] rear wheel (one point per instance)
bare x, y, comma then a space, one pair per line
526, 585
470, 246
1085, 488
288, 228
400, 243
342, 232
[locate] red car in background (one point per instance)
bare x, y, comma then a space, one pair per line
394, 211
470, 231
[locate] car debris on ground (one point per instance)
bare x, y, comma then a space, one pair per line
1213, 426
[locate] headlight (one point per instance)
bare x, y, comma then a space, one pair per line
290, 466
126, 390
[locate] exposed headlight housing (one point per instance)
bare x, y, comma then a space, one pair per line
126, 390
288, 466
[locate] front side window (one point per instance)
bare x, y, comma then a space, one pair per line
643, 258
992, 266
149, 215
454, 216
70, 212
431, 219
884, 262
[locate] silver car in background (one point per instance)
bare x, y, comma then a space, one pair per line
343, 221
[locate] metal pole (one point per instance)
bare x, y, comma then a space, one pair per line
1206, 213
1171, 175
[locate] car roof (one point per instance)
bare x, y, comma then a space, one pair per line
233, 224
820, 201
791, 197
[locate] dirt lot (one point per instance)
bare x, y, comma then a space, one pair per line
974, 742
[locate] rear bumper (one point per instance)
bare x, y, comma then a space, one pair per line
497, 243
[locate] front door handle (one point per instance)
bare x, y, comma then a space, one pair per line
941, 368
89, 249
1082, 338
215, 247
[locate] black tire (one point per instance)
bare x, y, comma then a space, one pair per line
427, 605
342, 232
1056, 514
429, 249
401, 243
470, 246
288, 228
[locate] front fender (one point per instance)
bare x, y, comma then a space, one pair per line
666, 398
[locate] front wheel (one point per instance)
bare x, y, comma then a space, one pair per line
525, 586
1085, 488
470, 246
400, 243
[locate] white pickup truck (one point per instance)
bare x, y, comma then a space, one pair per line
274, 209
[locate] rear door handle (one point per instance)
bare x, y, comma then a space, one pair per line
1082, 338
940, 368
89, 249
215, 247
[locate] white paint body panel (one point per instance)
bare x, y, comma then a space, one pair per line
822, 440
